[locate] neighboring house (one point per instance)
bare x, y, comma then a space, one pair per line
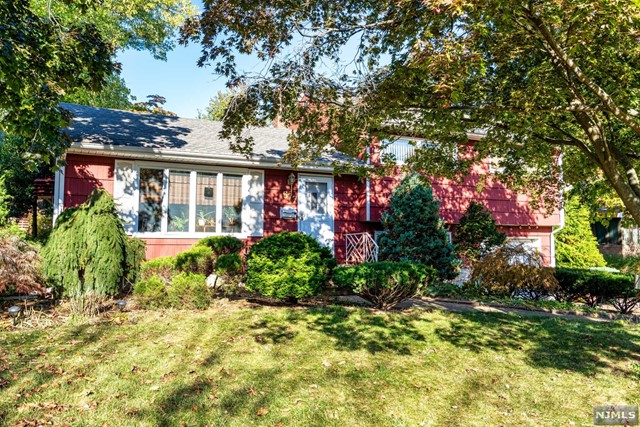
175, 181
615, 239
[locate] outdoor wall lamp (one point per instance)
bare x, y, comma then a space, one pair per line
121, 305
14, 311
291, 180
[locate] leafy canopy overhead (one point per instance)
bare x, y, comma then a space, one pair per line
539, 77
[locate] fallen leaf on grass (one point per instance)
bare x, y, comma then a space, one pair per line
154, 388
262, 411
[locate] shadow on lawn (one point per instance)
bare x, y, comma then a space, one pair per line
350, 329
581, 346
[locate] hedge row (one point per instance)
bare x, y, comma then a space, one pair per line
597, 287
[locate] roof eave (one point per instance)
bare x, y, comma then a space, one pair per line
182, 156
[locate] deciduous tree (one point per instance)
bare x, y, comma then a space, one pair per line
538, 77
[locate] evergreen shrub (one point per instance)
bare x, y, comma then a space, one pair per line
288, 266
221, 245
164, 267
413, 231
85, 257
477, 233
198, 259
385, 284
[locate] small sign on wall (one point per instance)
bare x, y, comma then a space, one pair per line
288, 212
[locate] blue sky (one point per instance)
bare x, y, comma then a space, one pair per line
186, 87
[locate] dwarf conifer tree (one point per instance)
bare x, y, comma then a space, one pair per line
414, 232
477, 233
86, 254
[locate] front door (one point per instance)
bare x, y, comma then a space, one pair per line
315, 208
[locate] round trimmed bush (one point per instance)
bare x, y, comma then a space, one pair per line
385, 284
228, 265
198, 259
288, 266
151, 292
221, 245
163, 267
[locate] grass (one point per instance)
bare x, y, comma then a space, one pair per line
240, 365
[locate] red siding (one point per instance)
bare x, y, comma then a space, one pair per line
512, 211
349, 198
278, 193
83, 174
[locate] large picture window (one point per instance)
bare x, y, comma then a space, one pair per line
150, 207
206, 200
178, 215
231, 204
179, 201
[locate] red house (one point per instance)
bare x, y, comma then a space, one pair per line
175, 181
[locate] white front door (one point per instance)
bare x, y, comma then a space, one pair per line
315, 208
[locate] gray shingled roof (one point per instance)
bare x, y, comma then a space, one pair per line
117, 128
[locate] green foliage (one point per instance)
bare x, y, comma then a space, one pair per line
136, 254
597, 287
19, 171
477, 233
513, 271
86, 253
288, 266
413, 231
198, 259
39, 61
114, 94
4, 201
228, 265
217, 106
164, 267
66, 50
385, 284
154, 105
222, 244
150, 292
189, 290
186, 290
576, 246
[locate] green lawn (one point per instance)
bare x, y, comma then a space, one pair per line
237, 365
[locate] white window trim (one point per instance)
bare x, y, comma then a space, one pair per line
417, 143
193, 169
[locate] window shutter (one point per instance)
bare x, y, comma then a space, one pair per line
253, 203
124, 193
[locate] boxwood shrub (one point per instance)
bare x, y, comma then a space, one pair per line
288, 266
163, 267
228, 265
186, 290
198, 259
221, 245
597, 287
386, 283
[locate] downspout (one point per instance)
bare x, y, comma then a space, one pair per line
562, 222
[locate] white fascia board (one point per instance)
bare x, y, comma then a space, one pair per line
186, 157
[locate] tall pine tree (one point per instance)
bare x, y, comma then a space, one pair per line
477, 233
414, 232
